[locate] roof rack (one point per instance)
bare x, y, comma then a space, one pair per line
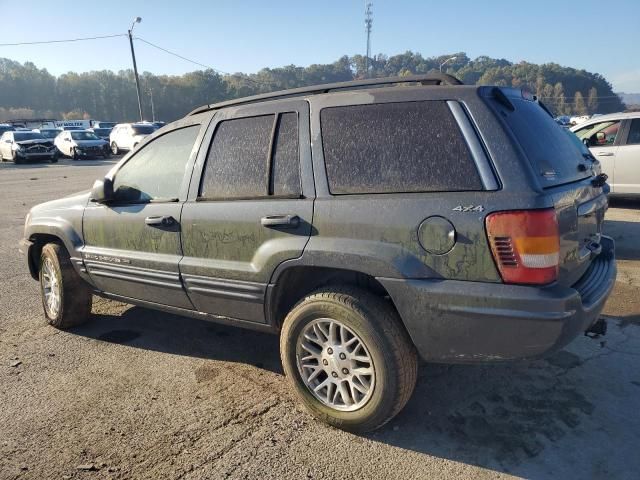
427, 79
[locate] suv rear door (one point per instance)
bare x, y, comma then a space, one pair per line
132, 244
250, 206
564, 171
627, 160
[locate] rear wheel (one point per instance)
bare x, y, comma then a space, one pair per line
114, 148
66, 298
349, 358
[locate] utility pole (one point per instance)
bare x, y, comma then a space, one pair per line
153, 108
135, 67
368, 21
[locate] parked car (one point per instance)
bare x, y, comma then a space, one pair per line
614, 140
578, 119
365, 222
50, 133
81, 144
20, 146
103, 133
5, 127
127, 136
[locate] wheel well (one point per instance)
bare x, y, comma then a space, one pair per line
297, 282
39, 240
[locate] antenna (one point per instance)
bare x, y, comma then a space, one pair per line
368, 21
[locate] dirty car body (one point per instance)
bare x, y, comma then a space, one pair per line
485, 243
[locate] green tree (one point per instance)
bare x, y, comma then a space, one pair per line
592, 100
578, 104
559, 100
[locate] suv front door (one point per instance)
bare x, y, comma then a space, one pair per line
602, 139
132, 244
627, 169
250, 207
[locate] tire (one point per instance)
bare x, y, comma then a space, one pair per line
74, 155
54, 159
114, 148
74, 296
393, 358
16, 159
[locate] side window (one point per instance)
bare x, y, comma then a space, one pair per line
634, 132
237, 161
396, 147
286, 160
156, 171
601, 134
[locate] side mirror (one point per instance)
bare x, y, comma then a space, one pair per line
102, 191
8, 141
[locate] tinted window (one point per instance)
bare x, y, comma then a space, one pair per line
396, 147
237, 160
634, 132
550, 151
285, 161
157, 169
143, 129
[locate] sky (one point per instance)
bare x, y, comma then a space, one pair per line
245, 36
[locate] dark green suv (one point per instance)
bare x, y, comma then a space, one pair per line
367, 222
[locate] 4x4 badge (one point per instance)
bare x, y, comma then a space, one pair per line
469, 208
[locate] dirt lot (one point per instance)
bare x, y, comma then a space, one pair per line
141, 394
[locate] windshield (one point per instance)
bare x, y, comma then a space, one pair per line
84, 136
102, 132
49, 133
21, 136
143, 129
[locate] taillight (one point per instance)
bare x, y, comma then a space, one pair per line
525, 245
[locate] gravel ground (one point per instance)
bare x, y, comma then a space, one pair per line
140, 394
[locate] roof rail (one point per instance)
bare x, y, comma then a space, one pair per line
426, 79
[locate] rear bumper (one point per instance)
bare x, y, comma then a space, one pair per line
464, 322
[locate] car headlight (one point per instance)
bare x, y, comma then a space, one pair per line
18, 147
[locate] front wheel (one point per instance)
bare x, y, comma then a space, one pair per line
74, 154
66, 298
349, 358
114, 148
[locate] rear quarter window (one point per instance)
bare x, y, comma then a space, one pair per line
396, 148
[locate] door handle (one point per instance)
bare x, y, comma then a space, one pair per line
160, 221
605, 154
285, 221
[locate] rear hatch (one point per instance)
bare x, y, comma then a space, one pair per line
567, 173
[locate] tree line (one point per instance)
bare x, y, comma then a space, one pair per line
29, 92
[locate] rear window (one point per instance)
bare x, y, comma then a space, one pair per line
550, 149
395, 148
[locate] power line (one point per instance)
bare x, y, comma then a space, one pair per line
246, 77
62, 41
180, 56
